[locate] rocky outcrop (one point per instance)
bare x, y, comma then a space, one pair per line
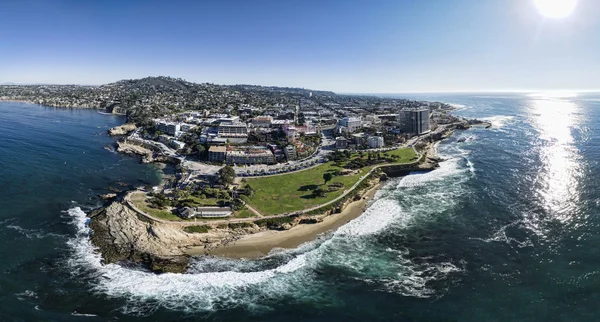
107, 196
121, 236
148, 155
122, 129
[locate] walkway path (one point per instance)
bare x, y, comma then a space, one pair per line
253, 210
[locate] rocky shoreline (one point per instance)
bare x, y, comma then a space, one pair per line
123, 235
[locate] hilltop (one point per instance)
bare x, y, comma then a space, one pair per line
145, 98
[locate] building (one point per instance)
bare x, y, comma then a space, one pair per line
185, 127
372, 120
169, 128
359, 139
292, 131
233, 130
388, 117
262, 121
217, 153
290, 152
375, 142
351, 123
341, 142
228, 119
177, 145
415, 121
250, 155
205, 212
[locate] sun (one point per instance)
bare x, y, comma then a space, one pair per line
555, 8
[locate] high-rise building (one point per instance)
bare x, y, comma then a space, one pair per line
414, 121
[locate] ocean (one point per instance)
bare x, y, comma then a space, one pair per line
504, 230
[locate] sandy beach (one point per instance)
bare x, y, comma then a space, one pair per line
260, 244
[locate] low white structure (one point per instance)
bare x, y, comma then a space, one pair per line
205, 212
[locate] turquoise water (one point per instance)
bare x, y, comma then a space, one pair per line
506, 230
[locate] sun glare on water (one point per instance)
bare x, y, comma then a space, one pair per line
555, 8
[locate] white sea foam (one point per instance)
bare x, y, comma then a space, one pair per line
457, 106
499, 121
183, 291
501, 236
447, 168
27, 294
32, 233
216, 283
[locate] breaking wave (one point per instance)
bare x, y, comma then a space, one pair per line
33, 233
499, 121
213, 283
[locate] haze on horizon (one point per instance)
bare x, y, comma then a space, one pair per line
388, 46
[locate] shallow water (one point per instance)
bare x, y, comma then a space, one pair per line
505, 230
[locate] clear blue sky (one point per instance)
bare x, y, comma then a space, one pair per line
376, 46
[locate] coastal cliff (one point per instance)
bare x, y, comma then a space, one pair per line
123, 235
122, 129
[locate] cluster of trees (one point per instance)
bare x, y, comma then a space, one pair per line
159, 200
372, 158
339, 156
226, 175
192, 146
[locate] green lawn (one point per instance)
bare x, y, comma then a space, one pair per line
139, 201
292, 192
206, 202
244, 213
406, 155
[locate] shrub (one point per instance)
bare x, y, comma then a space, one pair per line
197, 229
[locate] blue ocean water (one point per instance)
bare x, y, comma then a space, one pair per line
505, 230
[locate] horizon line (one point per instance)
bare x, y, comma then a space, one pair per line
341, 92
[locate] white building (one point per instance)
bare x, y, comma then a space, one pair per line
170, 128
177, 145
351, 123
375, 142
262, 121
235, 132
290, 152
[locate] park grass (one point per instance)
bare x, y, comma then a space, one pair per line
293, 192
207, 202
405, 155
244, 213
139, 201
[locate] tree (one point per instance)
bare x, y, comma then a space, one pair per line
327, 176
237, 204
319, 192
227, 174
248, 190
